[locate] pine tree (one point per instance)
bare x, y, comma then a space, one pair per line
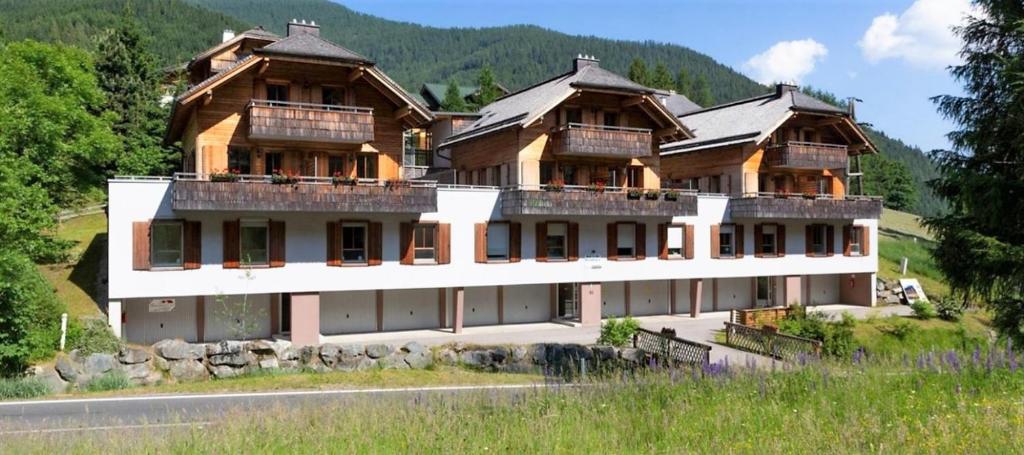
684, 83
702, 93
981, 238
638, 71
129, 76
453, 101
661, 78
489, 90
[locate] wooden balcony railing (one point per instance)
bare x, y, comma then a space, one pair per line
264, 193
570, 200
806, 155
576, 139
812, 206
281, 120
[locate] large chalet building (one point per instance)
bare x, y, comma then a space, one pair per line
319, 198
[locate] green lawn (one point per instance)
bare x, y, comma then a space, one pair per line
75, 281
901, 235
876, 335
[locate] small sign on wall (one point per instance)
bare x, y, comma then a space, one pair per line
161, 305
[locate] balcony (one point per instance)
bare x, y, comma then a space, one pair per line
279, 120
573, 201
806, 155
594, 141
232, 192
811, 207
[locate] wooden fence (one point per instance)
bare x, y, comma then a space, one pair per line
759, 316
668, 347
769, 342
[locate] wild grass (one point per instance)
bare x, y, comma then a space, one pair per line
21, 388
111, 380
75, 280
876, 335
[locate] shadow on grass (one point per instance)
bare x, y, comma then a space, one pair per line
86, 271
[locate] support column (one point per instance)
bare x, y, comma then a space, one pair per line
275, 311
442, 308
792, 291
590, 304
671, 296
714, 294
553, 300
380, 310
459, 299
305, 319
625, 299
114, 317
696, 296
501, 304
201, 319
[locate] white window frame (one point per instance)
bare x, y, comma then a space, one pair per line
857, 239
432, 228
730, 230
498, 240
625, 235
153, 247
366, 241
242, 225
565, 240
675, 233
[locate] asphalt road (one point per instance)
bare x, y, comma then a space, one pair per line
156, 411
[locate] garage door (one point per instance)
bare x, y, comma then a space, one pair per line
348, 312
734, 293
613, 299
527, 303
411, 309
647, 298
480, 306
824, 289
166, 318
237, 317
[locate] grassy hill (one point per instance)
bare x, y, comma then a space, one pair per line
901, 235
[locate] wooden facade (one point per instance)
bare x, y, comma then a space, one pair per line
582, 203
595, 141
301, 197
309, 122
799, 207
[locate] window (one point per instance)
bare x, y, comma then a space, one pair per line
626, 238
353, 243
239, 159
611, 119
253, 242
727, 241
167, 238
277, 92
635, 177
417, 148
366, 166
336, 165
424, 241
569, 174
769, 240
574, 115
547, 172
824, 185
819, 238
272, 162
497, 241
557, 240
715, 184
676, 240
856, 236
333, 96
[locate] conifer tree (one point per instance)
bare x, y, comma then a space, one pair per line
453, 101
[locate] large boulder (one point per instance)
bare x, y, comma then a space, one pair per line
136, 371
186, 370
269, 363
329, 354
236, 360
448, 356
224, 371
132, 356
280, 347
499, 354
352, 350
419, 360
376, 351
179, 350
632, 355
66, 368
97, 364
413, 347
476, 358
53, 381
539, 354
393, 362
224, 347
520, 354
605, 353
260, 347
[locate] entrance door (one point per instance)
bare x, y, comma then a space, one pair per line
765, 292
286, 314
568, 301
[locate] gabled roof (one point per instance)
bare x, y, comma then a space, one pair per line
524, 107
433, 93
256, 33
308, 45
752, 120
678, 104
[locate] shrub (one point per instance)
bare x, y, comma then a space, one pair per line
618, 332
836, 336
899, 328
90, 336
22, 388
111, 380
949, 309
923, 310
29, 314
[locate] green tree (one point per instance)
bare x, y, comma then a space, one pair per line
489, 90
981, 238
890, 179
638, 71
453, 101
702, 92
684, 83
29, 313
130, 78
662, 78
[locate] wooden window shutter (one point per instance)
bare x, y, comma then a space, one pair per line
641, 240
480, 242
541, 241
780, 242
831, 240
662, 241
689, 241
613, 242
443, 253
277, 243
405, 244
846, 240
193, 254
333, 243
140, 245
716, 242
374, 243
574, 241
809, 240
231, 246
740, 247
758, 240
865, 240
515, 242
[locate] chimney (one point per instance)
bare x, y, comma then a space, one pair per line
228, 35
783, 88
296, 27
582, 61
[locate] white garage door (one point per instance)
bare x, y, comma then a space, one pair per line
147, 324
824, 289
238, 317
734, 293
527, 303
348, 312
613, 299
647, 298
411, 309
480, 306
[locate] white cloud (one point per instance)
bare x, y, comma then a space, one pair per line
922, 35
786, 61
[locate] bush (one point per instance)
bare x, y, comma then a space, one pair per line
923, 310
836, 336
899, 328
618, 332
90, 336
111, 380
29, 314
949, 309
22, 388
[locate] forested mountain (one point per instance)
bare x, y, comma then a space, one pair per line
412, 54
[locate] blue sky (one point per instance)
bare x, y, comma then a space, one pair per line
890, 54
